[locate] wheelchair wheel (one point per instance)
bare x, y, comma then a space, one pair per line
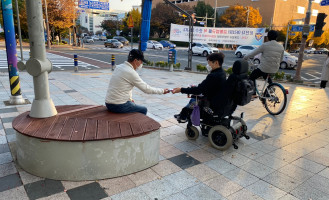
192, 133
220, 137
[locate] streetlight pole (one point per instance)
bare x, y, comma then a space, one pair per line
306, 29
19, 31
47, 26
247, 15
285, 44
215, 13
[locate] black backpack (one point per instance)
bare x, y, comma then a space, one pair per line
243, 91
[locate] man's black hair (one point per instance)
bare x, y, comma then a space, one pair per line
216, 57
272, 35
136, 54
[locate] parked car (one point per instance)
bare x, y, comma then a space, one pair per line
152, 44
95, 38
113, 43
294, 51
288, 62
309, 50
88, 39
244, 50
121, 39
321, 51
102, 38
203, 49
168, 44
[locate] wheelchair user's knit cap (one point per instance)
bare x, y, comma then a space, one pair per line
136, 54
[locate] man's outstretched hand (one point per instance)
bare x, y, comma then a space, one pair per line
176, 90
165, 91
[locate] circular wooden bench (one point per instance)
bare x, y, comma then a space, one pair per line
84, 142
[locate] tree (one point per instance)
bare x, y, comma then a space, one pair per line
137, 18
61, 15
236, 16
202, 9
109, 26
163, 16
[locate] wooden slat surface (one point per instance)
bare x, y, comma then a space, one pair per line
85, 123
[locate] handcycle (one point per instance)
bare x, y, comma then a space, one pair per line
272, 95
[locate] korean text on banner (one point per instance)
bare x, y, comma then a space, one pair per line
239, 36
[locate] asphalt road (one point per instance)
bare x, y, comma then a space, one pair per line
311, 70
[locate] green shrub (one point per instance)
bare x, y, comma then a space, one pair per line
149, 63
279, 76
177, 65
161, 64
288, 77
201, 67
229, 71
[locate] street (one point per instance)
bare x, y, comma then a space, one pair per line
311, 69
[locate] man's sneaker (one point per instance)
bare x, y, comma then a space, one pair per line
179, 119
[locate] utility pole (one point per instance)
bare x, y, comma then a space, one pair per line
19, 31
38, 65
287, 36
47, 27
306, 30
247, 15
215, 13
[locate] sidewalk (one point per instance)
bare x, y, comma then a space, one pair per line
287, 156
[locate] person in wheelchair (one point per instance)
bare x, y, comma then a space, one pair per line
208, 88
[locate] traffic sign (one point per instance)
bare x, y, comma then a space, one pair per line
97, 5
299, 28
324, 3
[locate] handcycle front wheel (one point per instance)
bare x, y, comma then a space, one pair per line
275, 99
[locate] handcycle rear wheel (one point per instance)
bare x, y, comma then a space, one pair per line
192, 133
275, 99
220, 137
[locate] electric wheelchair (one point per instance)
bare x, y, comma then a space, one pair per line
218, 124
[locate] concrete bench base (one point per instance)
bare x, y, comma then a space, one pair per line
88, 160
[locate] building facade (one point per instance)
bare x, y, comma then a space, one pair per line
276, 13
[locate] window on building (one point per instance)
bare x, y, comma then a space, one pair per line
300, 10
315, 12
317, 1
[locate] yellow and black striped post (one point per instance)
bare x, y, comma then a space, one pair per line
113, 61
15, 87
76, 68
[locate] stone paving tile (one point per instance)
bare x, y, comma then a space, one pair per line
89, 191
282, 181
116, 185
7, 120
223, 185
304, 191
177, 196
170, 151
15, 193
9, 182
74, 184
250, 152
257, 169
309, 165
29, 178
59, 196
184, 161
10, 131
43, 188
11, 138
7, 169
324, 173
8, 110
318, 182
244, 195
159, 189
202, 155
265, 190
264, 147
186, 146
201, 191
3, 139
241, 177
165, 167
202, 172
320, 156
296, 172
134, 193
5, 158
284, 155
7, 125
288, 197
236, 159
10, 114
271, 161
181, 180
220, 165
144, 176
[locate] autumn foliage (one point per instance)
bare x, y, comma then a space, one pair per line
236, 16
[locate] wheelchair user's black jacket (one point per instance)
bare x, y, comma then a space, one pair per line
209, 87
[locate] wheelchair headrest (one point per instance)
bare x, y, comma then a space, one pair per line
240, 67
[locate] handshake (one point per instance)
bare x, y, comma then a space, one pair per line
175, 90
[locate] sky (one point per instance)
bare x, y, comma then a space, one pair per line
125, 5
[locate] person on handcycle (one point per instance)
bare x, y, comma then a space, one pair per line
209, 87
272, 55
